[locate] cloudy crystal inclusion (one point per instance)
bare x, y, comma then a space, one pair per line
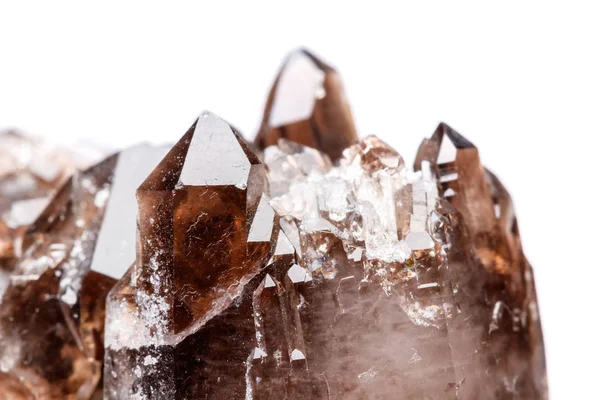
368, 201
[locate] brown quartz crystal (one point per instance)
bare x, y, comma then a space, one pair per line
498, 290
180, 323
307, 105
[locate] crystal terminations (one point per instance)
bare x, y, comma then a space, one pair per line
309, 265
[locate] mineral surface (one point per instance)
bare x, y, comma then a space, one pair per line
307, 105
180, 323
52, 300
30, 173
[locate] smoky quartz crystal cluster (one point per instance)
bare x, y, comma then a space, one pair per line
309, 264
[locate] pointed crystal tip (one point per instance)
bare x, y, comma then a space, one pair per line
442, 147
216, 155
211, 153
307, 105
444, 130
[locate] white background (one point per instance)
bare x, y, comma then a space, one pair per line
522, 81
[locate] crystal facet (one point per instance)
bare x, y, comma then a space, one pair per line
498, 291
30, 172
307, 105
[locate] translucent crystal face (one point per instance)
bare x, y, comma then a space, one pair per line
307, 105
115, 249
30, 172
289, 109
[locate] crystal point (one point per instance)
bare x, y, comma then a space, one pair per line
205, 239
497, 285
307, 105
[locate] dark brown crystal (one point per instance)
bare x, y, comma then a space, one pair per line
205, 234
307, 105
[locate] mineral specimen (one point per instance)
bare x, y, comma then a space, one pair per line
316, 266
52, 305
353, 280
